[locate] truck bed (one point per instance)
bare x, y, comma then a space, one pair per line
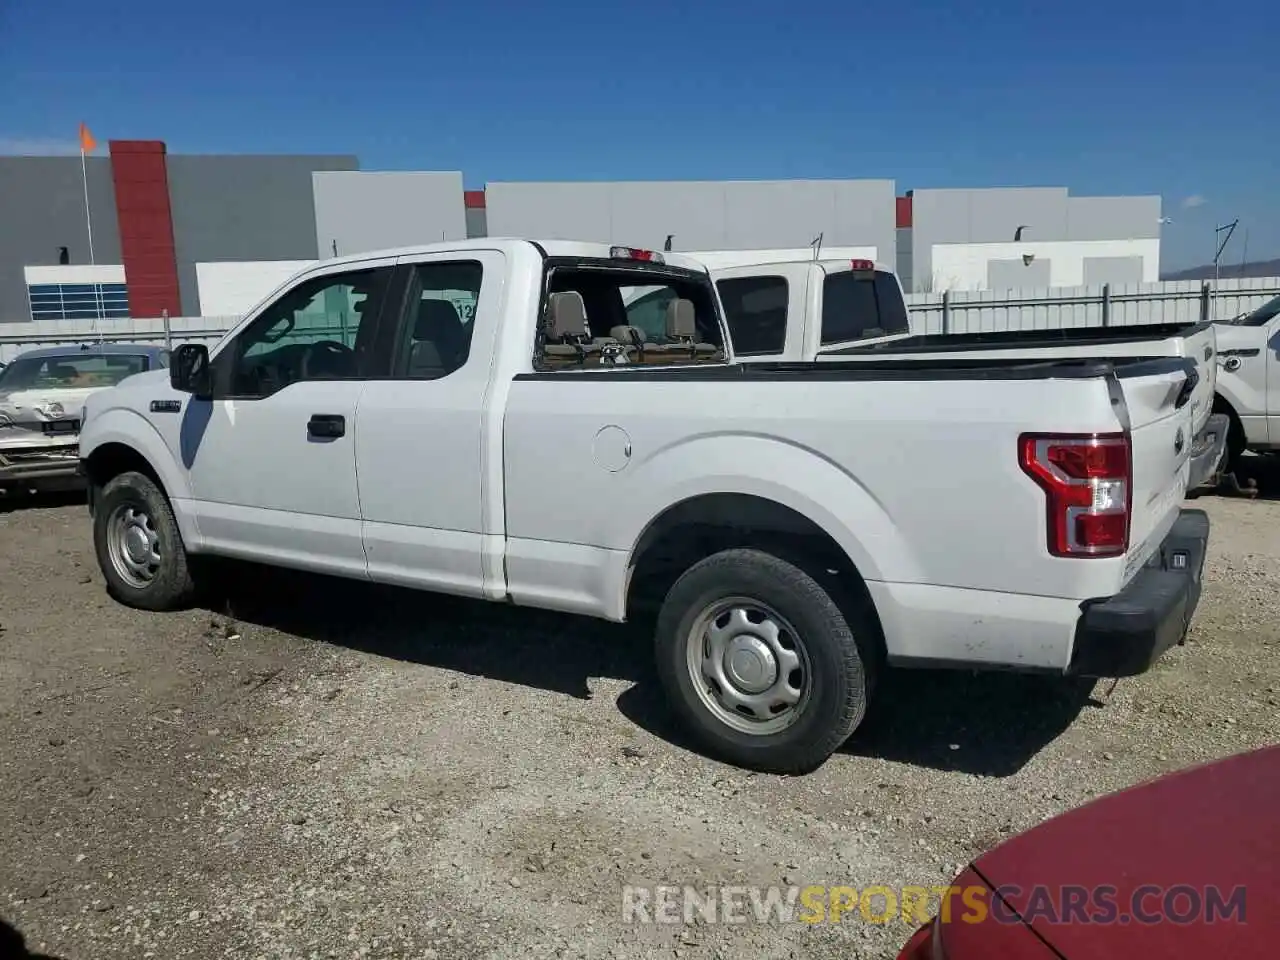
1023, 339
954, 368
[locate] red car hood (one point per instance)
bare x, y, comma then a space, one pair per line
1166, 847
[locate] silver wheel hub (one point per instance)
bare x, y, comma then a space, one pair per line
133, 545
135, 542
749, 666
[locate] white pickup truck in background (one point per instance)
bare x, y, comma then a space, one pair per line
853, 310
1249, 380
796, 525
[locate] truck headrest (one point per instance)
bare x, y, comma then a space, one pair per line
681, 319
566, 315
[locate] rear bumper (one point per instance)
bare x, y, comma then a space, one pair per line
1208, 448
1124, 635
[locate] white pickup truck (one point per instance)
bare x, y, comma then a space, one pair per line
853, 310
1249, 380
796, 525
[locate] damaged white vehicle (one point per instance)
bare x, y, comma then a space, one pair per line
41, 396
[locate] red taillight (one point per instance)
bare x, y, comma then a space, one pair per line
1088, 481
862, 264
632, 253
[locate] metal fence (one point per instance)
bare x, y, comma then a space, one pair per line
1173, 301
1170, 301
16, 338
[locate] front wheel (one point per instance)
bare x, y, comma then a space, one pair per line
760, 662
139, 546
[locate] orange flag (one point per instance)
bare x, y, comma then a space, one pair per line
87, 143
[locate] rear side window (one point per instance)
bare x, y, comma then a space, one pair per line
442, 303
854, 308
755, 309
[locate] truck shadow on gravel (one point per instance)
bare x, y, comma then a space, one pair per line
15, 502
13, 945
989, 724
528, 647
985, 723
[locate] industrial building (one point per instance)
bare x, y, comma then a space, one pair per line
211, 235
1020, 238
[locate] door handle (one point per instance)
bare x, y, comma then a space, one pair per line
326, 426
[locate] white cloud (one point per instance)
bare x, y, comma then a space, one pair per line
1195, 200
38, 146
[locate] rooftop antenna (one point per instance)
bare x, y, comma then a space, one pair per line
817, 246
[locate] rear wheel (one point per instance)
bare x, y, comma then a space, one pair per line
139, 546
760, 662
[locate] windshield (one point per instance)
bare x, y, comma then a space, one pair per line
1260, 316
76, 371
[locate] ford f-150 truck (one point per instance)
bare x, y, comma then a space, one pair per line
848, 310
1249, 380
795, 525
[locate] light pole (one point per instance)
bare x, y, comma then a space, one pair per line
1230, 228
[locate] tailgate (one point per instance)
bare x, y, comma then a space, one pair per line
1157, 398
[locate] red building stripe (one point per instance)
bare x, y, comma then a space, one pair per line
904, 212
473, 199
141, 178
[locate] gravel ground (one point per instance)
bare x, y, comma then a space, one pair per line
322, 769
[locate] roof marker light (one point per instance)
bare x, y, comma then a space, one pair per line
632, 253
862, 265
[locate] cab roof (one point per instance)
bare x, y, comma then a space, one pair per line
553, 248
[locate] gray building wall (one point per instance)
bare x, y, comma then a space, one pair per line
1099, 270
1015, 274
477, 222
41, 209
904, 266
1112, 218
242, 208
701, 215
360, 211
993, 215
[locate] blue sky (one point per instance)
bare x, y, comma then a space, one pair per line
1175, 98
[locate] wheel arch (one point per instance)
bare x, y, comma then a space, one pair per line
1237, 440
119, 438
113, 458
116, 441
704, 524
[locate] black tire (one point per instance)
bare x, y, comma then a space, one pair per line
1236, 443
172, 586
838, 681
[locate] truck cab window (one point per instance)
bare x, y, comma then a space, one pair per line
854, 308
755, 309
441, 320
322, 329
597, 316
